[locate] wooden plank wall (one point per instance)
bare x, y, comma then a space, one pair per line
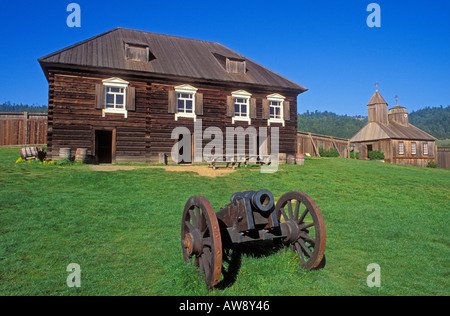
22, 129
390, 149
385, 146
419, 159
308, 143
443, 157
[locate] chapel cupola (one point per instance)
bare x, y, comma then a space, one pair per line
378, 108
398, 114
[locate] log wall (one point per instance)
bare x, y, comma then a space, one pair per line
73, 119
146, 133
163, 123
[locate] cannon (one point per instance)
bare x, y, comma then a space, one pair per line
251, 216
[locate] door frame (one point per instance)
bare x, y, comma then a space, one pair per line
367, 149
113, 141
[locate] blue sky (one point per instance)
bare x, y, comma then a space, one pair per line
325, 46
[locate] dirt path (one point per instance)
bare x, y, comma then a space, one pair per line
202, 171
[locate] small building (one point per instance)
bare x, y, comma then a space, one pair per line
391, 133
121, 94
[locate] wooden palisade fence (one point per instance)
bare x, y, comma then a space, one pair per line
308, 143
17, 129
443, 157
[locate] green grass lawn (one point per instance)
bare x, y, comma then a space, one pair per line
123, 229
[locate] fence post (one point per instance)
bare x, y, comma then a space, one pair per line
25, 128
314, 145
348, 149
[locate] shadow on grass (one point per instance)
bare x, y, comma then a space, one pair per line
233, 253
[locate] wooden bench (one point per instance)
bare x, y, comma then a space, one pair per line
29, 153
236, 161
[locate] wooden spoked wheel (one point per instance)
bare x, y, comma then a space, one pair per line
305, 228
200, 239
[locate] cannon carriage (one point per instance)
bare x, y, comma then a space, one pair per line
251, 216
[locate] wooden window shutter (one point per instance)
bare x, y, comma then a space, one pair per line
287, 110
131, 99
230, 106
253, 108
266, 109
199, 103
172, 101
100, 92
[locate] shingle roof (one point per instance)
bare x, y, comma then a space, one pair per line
409, 131
174, 56
398, 109
377, 99
376, 131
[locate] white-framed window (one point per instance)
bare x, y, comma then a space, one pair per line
241, 106
401, 148
276, 114
185, 101
275, 110
115, 96
413, 148
425, 149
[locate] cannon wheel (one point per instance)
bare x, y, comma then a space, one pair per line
305, 228
200, 239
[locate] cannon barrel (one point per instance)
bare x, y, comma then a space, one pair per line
262, 200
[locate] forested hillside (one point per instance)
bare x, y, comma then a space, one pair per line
435, 121
328, 123
18, 108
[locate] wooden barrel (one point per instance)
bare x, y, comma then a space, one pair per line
300, 159
282, 159
64, 153
291, 160
163, 158
81, 155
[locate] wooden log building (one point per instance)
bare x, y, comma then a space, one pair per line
122, 93
391, 133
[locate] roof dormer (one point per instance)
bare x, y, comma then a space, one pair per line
138, 52
233, 65
236, 66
